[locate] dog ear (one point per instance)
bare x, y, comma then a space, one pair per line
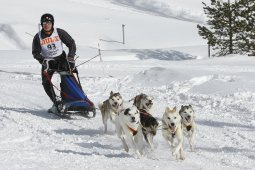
126, 111
167, 109
111, 93
174, 109
191, 108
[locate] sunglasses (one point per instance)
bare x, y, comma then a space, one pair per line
46, 22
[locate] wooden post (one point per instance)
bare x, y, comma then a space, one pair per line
209, 52
99, 52
123, 34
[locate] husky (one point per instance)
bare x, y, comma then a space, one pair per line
128, 128
189, 125
149, 124
172, 131
149, 127
110, 107
143, 101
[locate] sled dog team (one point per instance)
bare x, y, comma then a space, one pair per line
133, 123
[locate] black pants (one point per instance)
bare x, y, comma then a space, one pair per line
58, 64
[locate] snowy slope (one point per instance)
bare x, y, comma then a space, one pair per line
221, 90
89, 23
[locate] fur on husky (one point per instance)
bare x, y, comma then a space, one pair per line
172, 131
189, 125
143, 101
149, 127
110, 107
128, 128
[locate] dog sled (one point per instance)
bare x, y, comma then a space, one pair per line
72, 99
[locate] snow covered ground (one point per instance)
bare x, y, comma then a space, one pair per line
173, 69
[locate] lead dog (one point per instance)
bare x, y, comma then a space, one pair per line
149, 124
128, 128
110, 107
189, 125
172, 131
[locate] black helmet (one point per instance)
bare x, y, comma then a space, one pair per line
47, 17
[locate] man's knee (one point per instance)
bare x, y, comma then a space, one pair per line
45, 81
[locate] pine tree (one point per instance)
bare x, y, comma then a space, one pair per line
245, 24
221, 34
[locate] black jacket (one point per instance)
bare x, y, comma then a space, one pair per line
65, 38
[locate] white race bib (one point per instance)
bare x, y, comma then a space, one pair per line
51, 46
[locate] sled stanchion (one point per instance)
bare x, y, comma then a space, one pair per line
73, 99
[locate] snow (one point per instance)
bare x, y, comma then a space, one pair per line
163, 57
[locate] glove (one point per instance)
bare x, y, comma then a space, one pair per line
71, 63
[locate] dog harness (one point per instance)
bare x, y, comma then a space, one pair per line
144, 112
143, 116
133, 131
188, 127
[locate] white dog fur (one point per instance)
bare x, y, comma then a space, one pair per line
172, 131
128, 128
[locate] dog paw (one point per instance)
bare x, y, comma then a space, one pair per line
152, 147
138, 155
174, 153
182, 157
126, 149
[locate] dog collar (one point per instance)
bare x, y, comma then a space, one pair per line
188, 127
134, 132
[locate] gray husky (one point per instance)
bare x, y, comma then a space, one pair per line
110, 108
143, 101
189, 125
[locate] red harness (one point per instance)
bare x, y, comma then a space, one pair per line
133, 131
144, 112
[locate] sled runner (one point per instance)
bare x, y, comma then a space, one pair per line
73, 100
